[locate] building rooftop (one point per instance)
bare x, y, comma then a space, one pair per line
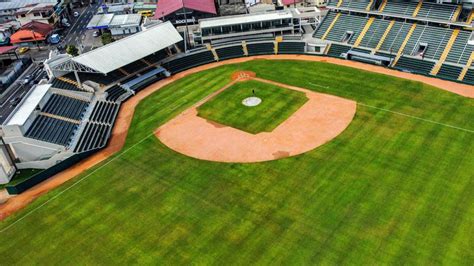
166, 7
28, 105
15, 4
240, 19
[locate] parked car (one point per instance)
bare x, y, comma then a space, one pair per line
96, 34
54, 39
76, 14
23, 50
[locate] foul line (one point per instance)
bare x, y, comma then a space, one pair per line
416, 117
151, 134
74, 184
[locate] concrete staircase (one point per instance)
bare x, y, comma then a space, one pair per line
383, 5
331, 26
466, 67
445, 53
364, 31
61, 118
389, 27
417, 9
402, 47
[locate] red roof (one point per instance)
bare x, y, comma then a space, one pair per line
166, 7
32, 31
6, 49
290, 2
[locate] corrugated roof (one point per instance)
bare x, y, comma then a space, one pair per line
132, 48
15, 4
166, 7
124, 20
28, 105
100, 21
239, 19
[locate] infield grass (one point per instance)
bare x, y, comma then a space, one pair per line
391, 189
277, 105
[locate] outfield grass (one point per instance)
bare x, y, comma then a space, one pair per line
391, 189
277, 105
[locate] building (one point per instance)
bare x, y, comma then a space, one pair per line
9, 8
32, 33
6, 30
117, 24
194, 10
117, 9
43, 12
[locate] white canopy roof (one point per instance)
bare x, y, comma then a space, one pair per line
28, 105
241, 19
132, 48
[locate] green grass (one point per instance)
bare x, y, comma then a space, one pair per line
391, 189
277, 105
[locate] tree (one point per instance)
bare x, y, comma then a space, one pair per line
107, 38
72, 50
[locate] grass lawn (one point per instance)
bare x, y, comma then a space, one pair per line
391, 189
277, 105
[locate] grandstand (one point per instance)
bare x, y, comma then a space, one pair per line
420, 36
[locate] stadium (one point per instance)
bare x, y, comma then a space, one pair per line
353, 145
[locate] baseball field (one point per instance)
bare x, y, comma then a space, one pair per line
395, 187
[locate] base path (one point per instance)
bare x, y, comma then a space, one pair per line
319, 120
10, 205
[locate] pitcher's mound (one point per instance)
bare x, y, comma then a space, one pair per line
319, 120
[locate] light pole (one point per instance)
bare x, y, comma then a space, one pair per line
186, 28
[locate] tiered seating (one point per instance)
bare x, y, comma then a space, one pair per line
436, 38
449, 72
436, 11
332, 3
396, 36
115, 92
98, 78
375, 33
51, 130
469, 77
324, 25
104, 112
93, 137
156, 57
400, 8
64, 106
291, 47
189, 61
230, 52
414, 65
260, 48
135, 66
59, 84
337, 49
144, 83
355, 4
346, 23
461, 50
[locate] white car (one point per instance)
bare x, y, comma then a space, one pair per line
76, 14
95, 34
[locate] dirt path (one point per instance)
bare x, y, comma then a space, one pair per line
320, 119
13, 204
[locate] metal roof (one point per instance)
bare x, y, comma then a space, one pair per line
110, 57
15, 4
28, 105
100, 21
241, 19
126, 20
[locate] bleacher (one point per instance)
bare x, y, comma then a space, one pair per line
230, 52
396, 36
115, 92
436, 11
104, 112
355, 4
344, 24
449, 72
291, 47
336, 50
436, 38
135, 66
189, 61
52, 130
375, 33
65, 106
323, 27
469, 77
400, 8
461, 50
93, 137
414, 65
261, 48
59, 84
156, 57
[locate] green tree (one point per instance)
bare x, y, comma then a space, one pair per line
107, 38
72, 50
